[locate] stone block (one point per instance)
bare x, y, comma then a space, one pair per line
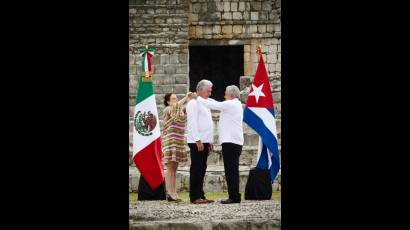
216, 29
134, 181
227, 6
247, 6
251, 139
276, 27
237, 29
234, 6
247, 57
267, 5
183, 58
261, 28
193, 17
214, 183
182, 68
270, 28
181, 78
254, 16
241, 6
196, 7
254, 29
169, 69
158, 69
278, 67
256, 6
271, 68
164, 59
159, 21
180, 89
211, 7
227, 29
246, 16
247, 48
263, 15
276, 97
198, 31
173, 59
237, 16
227, 16
219, 6
207, 29
192, 32
271, 58
216, 16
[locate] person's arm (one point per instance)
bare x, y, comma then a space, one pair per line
183, 100
212, 104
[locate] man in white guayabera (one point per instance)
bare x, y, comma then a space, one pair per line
199, 138
230, 132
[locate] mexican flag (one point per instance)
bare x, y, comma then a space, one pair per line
147, 149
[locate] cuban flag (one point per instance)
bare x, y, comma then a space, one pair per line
259, 114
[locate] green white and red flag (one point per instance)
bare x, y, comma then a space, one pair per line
147, 149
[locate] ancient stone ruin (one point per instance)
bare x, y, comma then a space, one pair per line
211, 39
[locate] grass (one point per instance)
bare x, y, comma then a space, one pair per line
209, 195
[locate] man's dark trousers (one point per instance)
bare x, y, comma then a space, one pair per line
197, 171
231, 153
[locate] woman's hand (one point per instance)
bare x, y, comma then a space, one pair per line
193, 96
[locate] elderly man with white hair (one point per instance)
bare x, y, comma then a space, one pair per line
230, 136
199, 137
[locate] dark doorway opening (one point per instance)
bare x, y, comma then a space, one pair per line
222, 65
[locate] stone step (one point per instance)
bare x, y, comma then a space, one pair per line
214, 180
167, 215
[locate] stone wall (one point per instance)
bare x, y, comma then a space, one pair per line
241, 22
162, 25
171, 26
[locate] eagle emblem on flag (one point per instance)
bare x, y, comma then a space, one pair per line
145, 122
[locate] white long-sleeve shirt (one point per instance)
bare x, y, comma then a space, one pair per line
230, 128
199, 123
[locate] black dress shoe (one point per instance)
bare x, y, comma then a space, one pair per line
230, 201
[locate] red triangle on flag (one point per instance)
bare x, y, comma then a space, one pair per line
260, 94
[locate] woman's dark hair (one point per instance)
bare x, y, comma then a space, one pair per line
167, 98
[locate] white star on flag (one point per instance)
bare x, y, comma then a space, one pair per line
257, 92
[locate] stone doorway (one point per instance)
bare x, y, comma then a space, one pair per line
222, 65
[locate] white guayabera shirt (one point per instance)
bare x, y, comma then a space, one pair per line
199, 123
230, 127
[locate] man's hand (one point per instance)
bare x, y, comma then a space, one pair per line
211, 147
200, 146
